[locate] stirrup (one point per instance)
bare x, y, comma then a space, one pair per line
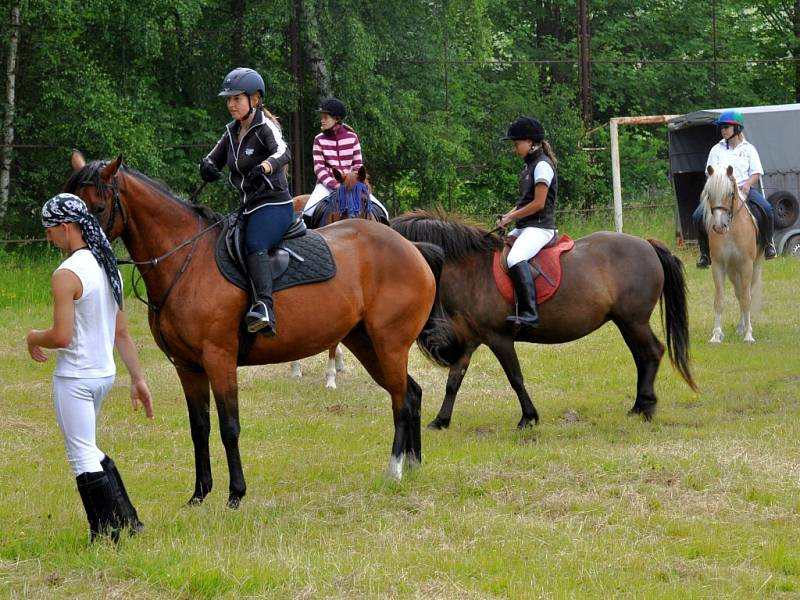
519, 321
770, 252
257, 320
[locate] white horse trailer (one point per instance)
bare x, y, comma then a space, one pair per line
774, 131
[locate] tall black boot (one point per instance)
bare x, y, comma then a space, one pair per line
703, 260
260, 318
526, 296
769, 250
130, 518
100, 504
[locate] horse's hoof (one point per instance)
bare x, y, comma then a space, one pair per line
331, 385
195, 501
438, 424
234, 502
646, 412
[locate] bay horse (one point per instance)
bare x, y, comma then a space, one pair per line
351, 200
378, 302
605, 277
734, 248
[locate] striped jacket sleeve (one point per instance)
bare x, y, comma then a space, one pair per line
324, 175
358, 161
278, 147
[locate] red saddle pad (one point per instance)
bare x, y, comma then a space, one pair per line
549, 262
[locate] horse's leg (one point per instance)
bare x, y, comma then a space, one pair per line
297, 371
195, 388
330, 371
222, 375
503, 349
339, 358
743, 289
647, 351
718, 271
454, 379
388, 367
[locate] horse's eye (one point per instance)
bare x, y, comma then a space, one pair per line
99, 209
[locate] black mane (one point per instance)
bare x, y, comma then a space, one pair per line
454, 234
91, 175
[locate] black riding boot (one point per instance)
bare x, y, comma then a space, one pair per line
526, 296
130, 519
99, 502
769, 250
260, 318
702, 241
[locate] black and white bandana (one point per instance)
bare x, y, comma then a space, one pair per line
68, 208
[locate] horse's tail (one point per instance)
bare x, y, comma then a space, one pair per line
437, 340
674, 310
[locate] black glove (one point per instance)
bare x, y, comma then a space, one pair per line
208, 172
254, 180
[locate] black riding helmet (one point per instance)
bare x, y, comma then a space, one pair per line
242, 81
333, 106
525, 128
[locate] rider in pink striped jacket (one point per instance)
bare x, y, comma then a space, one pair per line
336, 146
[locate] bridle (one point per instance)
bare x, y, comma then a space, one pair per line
731, 212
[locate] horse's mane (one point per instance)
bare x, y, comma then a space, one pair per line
717, 185
91, 175
456, 235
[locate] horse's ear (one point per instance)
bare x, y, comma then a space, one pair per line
362, 173
710, 170
337, 175
111, 168
77, 160
729, 171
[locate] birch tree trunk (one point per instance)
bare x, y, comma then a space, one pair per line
8, 120
313, 47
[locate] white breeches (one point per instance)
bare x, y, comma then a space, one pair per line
529, 241
77, 403
320, 192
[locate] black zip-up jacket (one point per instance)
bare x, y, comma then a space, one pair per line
262, 141
545, 218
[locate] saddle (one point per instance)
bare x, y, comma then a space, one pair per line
301, 257
545, 266
321, 213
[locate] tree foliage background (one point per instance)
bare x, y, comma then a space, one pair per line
431, 86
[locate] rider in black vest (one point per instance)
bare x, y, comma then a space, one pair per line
534, 213
256, 154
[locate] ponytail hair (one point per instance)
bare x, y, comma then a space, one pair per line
548, 152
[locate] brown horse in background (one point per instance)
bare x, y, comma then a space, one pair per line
378, 302
733, 246
331, 213
605, 277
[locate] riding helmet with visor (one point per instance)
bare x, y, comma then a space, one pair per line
731, 117
242, 81
333, 106
525, 128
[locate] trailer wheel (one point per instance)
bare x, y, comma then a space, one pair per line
786, 208
792, 247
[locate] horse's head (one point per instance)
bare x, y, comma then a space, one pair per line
96, 184
720, 197
353, 194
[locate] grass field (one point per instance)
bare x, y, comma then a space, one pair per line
704, 502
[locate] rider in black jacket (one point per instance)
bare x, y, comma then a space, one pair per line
256, 154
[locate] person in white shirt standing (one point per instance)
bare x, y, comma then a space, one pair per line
88, 322
735, 151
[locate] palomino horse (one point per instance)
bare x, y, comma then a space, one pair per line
605, 277
350, 200
378, 302
733, 244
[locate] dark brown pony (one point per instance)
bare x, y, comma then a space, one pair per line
378, 302
606, 277
349, 185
